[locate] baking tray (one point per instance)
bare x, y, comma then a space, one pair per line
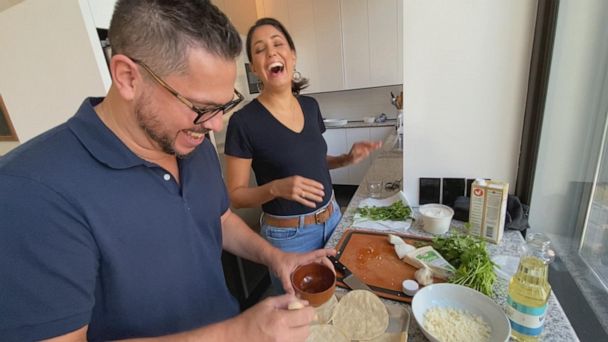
370, 257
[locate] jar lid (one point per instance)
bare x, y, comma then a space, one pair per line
410, 287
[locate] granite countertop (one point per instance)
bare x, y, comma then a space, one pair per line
361, 123
388, 166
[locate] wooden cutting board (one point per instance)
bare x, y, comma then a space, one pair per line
370, 257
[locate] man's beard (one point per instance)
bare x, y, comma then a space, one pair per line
153, 127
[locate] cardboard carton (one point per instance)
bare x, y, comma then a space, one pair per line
488, 209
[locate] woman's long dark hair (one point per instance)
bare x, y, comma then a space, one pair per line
296, 86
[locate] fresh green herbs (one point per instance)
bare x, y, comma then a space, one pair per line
469, 256
395, 212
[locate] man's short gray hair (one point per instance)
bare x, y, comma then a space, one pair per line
160, 33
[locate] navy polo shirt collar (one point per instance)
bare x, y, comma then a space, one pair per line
99, 140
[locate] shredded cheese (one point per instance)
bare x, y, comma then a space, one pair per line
454, 325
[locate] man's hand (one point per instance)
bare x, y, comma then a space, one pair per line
271, 320
283, 264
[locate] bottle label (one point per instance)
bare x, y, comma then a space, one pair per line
526, 320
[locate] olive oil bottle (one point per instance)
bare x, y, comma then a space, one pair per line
529, 289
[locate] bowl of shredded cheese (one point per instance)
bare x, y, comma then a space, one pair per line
450, 312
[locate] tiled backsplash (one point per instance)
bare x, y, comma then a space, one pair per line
443, 190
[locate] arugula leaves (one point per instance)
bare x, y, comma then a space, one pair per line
468, 254
395, 212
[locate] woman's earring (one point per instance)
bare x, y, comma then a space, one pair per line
297, 77
260, 85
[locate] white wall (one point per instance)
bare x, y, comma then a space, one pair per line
6, 146
51, 61
466, 67
102, 12
4, 4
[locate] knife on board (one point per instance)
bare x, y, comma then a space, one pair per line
348, 277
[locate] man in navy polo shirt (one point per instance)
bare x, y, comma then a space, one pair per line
113, 223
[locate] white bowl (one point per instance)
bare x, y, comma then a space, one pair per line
463, 298
369, 119
436, 218
335, 122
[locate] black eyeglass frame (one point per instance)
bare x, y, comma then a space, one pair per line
200, 112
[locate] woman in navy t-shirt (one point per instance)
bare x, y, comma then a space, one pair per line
279, 135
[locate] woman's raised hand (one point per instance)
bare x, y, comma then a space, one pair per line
361, 149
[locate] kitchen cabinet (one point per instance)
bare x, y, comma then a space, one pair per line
343, 44
385, 42
371, 41
316, 34
340, 140
379, 134
242, 13
336, 145
356, 43
330, 76
357, 171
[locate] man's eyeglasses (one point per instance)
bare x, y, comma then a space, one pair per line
202, 114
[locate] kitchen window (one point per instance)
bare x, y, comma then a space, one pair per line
569, 197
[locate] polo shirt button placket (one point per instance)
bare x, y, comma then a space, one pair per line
172, 186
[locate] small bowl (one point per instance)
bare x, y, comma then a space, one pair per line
314, 282
462, 298
436, 218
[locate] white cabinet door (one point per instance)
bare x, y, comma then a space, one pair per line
343, 44
371, 34
242, 13
328, 33
357, 171
315, 28
336, 145
383, 42
355, 35
275, 9
302, 30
